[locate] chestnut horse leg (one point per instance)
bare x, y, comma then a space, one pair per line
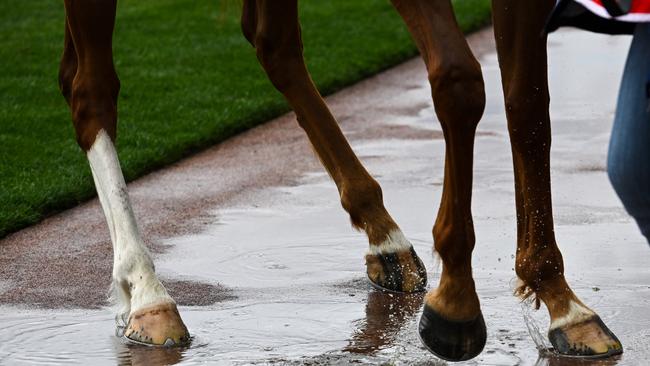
452, 326
68, 66
575, 329
273, 29
90, 85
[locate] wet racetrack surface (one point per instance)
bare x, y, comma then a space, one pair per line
284, 272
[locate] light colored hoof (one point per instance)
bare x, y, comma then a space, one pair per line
589, 338
157, 325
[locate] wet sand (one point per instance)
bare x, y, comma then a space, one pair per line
250, 238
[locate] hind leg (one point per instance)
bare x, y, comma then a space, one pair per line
273, 29
575, 329
90, 85
451, 326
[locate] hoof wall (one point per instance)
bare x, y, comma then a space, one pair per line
157, 325
402, 271
452, 340
590, 338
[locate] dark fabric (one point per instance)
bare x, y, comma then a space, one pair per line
616, 8
572, 14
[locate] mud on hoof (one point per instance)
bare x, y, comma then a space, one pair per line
401, 271
452, 340
157, 325
588, 338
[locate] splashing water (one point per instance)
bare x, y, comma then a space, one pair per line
534, 330
120, 326
531, 317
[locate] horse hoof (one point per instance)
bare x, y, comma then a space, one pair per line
452, 340
157, 325
401, 271
588, 338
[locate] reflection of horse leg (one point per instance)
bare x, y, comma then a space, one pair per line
386, 314
90, 85
274, 30
127, 355
452, 326
575, 329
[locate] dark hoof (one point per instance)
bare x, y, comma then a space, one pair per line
452, 340
402, 271
589, 338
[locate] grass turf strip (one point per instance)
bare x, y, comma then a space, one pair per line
189, 80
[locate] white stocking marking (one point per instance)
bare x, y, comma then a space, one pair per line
395, 242
576, 314
134, 276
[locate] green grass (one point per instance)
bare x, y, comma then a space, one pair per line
189, 80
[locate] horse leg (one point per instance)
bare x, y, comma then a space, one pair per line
451, 326
68, 65
272, 27
90, 85
575, 329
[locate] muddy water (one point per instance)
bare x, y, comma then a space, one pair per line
294, 269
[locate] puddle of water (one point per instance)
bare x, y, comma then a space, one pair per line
369, 327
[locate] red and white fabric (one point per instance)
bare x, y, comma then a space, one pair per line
597, 15
639, 10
